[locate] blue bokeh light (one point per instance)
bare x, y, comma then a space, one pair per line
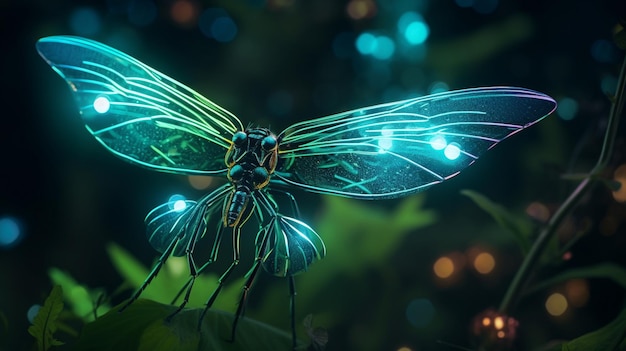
217, 24
85, 21
567, 108
420, 312
366, 43
10, 233
413, 28
32, 313
384, 48
603, 51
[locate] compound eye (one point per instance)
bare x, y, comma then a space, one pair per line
239, 138
269, 143
236, 172
260, 176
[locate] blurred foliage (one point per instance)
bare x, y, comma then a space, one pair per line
520, 226
84, 303
610, 337
45, 322
610, 271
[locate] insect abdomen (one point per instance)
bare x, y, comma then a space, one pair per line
236, 206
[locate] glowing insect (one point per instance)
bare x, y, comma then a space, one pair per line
376, 152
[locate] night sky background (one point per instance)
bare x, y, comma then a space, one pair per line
276, 62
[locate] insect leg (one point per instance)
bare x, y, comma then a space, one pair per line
292, 309
155, 270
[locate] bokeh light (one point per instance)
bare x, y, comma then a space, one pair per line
380, 47
608, 84
556, 304
10, 233
538, 211
32, 313
413, 28
484, 263
603, 51
438, 87
360, 9
567, 108
420, 312
85, 21
577, 291
495, 327
404, 348
217, 24
620, 176
184, 12
142, 12
200, 182
443, 267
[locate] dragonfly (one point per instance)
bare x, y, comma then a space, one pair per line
378, 152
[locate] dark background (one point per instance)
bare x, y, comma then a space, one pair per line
294, 60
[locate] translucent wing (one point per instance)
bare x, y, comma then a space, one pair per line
181, 220
138, 113
398, 148
290, 246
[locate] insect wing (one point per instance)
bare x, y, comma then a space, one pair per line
138, 113
394, 149
168, 222
290, 246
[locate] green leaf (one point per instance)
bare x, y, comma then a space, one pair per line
142, 326
172, 278
519, 227
604, 270
82, 301
44, 323
611, 337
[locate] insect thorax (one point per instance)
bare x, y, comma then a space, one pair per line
251, 160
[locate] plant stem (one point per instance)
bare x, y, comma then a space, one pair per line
539, 246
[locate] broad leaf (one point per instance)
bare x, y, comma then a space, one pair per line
45, 322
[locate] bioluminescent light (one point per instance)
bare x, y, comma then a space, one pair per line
168, 127
10, 233
438, 142
420, 312
176, 202
567, 108
101, 104
85, 21
452, 151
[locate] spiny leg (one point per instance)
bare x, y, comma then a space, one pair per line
244, 297
155, 270
222, 279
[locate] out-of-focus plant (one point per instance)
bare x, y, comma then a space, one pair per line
45, 322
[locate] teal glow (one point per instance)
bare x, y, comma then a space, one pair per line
608, 85
85, 21
603, 51
413, 27
438, 87
384, 48
385, 143
179, 205
438, 142
420, 312
567, 108
101, 104
452, 151
177, 202
9, 232
366, 43
32, 313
